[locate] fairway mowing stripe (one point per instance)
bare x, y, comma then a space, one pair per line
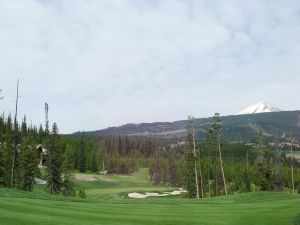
155, 202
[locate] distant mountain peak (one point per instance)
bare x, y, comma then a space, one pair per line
259, 107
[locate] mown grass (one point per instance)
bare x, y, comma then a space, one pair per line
104, 205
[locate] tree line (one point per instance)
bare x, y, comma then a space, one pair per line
207, 167
19, 156
211, 167
21, 145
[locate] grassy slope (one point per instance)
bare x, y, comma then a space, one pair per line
104, 206
109, 187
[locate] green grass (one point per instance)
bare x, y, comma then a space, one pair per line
110, 186
104, 205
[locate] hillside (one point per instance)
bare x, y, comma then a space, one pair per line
275, 125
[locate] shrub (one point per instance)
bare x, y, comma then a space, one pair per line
81, 193
254, 188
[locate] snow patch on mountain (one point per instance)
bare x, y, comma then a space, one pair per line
259, 107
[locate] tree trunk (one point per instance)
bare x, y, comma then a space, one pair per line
292, 168
195, 163
15, 140
260, 153
208, 180
222, 168
247, 160
200, 173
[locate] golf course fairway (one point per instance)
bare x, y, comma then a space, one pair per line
107, 203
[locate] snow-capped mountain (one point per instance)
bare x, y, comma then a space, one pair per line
259, 107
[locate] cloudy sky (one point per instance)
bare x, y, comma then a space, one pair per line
102, 63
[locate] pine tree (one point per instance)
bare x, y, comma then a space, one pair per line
120, 146
214, 147
190, 168
8, 150
27, 163
292, 167
156, 171
261, 145
54, 161
277, 173
41, 134
24, 127
14, 152
67, 167
265, 177
81, 193
81, 156
171, 169
2, 164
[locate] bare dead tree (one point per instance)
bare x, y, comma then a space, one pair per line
191, 119
200, 173
222, 167
292, 166
15, 139
261, 140
217, 128
1, 97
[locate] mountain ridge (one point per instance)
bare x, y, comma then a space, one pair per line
275, 125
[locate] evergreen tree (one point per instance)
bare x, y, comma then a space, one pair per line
260, 145
277, 174
24, 127
265, 177
8, 150
292, 167
67, 167
172, 169
93, 167
54, 161
2, 164
27, 163
157, 171
190, 168
81, 193
213, 143
41, 134
81, 156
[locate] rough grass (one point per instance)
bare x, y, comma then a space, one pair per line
104, 205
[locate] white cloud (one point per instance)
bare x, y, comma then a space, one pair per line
104, 63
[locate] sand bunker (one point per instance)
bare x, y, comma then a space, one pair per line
155, 194
39, 181
85, 177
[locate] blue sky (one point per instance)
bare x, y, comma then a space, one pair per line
102, 63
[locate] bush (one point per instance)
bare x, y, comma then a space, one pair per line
69, 193
254, 188
296, 219
81, 193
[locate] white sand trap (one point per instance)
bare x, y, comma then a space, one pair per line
85, 177
136, 195
39, 181
155, 194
